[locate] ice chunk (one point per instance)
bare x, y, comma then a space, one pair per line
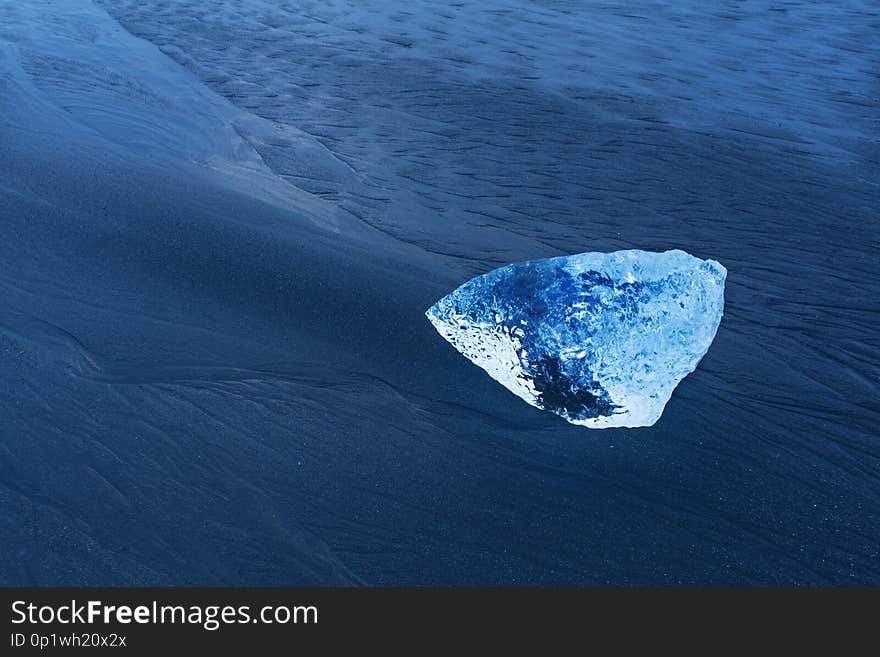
601, 339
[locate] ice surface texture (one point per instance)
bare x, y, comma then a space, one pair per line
601, 339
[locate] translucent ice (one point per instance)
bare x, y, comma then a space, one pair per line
601, 339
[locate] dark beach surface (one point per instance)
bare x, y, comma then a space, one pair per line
221, 224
